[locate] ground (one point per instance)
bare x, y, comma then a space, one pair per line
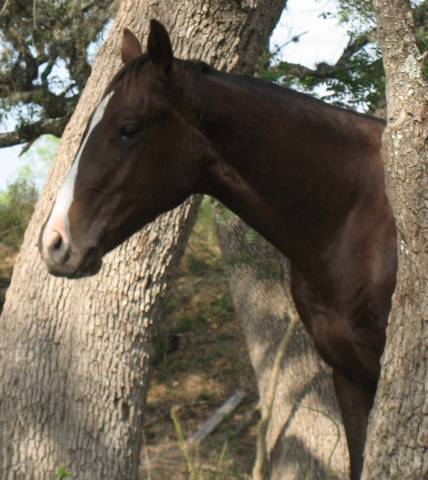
200, 361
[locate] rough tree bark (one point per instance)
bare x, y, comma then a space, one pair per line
74, 355
306, 424
398, 432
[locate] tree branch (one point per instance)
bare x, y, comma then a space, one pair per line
324, 70
29, 132
354, 46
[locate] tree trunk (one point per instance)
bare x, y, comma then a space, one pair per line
74, 355
398, 432
305, 436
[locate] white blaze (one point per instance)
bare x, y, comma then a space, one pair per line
58, 221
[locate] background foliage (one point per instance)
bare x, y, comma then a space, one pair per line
45, 57
46, 50
16, 207
357, 79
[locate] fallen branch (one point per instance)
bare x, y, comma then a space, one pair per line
249, 419
177, 408
210, 425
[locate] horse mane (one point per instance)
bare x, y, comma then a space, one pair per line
130, 73
272, 88
197, 66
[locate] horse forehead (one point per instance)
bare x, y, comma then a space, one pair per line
138, 86
137, 97
96, 118
99, 111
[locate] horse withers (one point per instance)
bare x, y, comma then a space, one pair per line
306, 175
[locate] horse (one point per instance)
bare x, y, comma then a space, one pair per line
306, 175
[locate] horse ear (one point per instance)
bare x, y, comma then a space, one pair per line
131, 47
159, 46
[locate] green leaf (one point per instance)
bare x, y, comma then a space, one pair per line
62, 473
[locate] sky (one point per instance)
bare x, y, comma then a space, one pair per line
324, 40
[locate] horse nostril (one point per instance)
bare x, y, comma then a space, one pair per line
57, 243
58, 250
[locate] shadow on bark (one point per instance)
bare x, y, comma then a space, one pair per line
293, 455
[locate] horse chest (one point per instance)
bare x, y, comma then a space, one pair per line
345, 341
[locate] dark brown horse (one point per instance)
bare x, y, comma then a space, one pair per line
307, 176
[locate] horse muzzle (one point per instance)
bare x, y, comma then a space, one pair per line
63, 259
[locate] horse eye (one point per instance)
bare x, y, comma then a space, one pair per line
128, 131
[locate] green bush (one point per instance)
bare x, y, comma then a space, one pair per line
16, 207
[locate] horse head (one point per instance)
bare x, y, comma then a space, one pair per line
140, 156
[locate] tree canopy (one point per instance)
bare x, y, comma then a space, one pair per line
46, 46
45, 52
357, 79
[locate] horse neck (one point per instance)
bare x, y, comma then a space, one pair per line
279, 161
